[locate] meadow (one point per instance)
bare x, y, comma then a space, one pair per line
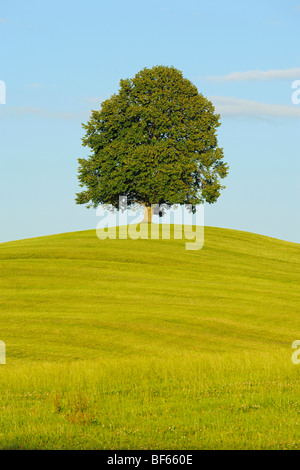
141, 344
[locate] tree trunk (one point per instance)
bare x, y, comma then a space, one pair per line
148, 215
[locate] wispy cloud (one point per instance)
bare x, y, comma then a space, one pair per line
3, 20
234, 107
257, 75
33, 86
275, 23
226, 106
42, 113
95, 101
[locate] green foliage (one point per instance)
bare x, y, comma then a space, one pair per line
154, 142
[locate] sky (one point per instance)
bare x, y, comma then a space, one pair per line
60, 59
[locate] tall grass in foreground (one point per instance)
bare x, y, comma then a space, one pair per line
226, 401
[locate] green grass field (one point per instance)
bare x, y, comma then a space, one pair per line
141, 344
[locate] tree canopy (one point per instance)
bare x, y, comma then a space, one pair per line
155, 142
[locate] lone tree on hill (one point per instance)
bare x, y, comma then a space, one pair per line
154, 142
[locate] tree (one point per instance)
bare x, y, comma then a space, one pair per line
154, 142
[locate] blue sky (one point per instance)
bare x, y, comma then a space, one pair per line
60, 59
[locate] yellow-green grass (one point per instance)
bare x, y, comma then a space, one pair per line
141, 344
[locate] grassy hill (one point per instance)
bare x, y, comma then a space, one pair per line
143, 344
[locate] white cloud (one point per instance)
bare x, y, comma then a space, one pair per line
235, 107
3, 20
257, 75
94, 100
34, 86
42, 113
226, 106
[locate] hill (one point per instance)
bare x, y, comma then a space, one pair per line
143, 344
